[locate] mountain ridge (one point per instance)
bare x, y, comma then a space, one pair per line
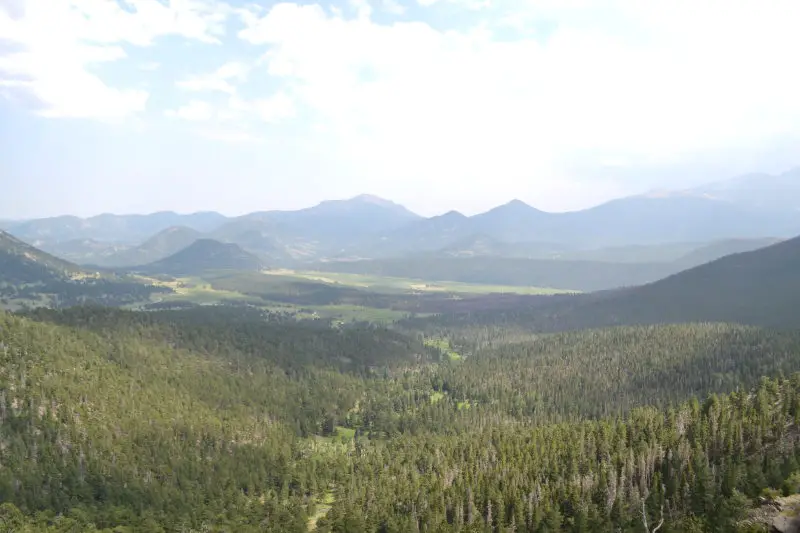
367, 226
743, 181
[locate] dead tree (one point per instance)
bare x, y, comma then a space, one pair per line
644, 519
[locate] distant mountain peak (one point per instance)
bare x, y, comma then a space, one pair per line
513, 212
372, 199
452, 214
515, 206
360, 202
205, 254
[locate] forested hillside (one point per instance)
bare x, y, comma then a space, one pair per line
22, 263
204, 255
233, 419
31, 277
124, 425
570, 319
569, 376
759, 287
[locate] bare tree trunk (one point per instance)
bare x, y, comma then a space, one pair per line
644, 519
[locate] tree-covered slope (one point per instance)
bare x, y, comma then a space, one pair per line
31, 277
760, 287
696, 468
204, 255
117, 428
230, 419
133, 419
197, 420
605, 372
22, 263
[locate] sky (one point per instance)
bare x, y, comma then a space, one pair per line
131, 106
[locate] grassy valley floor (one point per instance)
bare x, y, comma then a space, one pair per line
326, 295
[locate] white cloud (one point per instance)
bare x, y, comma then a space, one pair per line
62, 86
195, 110
218, 81
637, 81
393, 7
519, 100
468, 4
57, 44
231, 136
274, 109
362, 8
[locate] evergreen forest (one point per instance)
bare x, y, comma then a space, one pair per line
231, 418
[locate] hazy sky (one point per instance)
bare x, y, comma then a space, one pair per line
143, 105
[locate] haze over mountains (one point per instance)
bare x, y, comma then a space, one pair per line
760, 191
759, 287
367, 227
109, 227
585, 271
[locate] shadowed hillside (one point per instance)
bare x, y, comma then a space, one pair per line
22, 263
761, 287
204, 255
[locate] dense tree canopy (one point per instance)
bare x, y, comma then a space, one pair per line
233, 419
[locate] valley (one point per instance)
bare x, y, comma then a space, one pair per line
268, 374
386, 266
341, 297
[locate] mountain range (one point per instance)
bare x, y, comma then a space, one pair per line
368, 227
638, 220
123, 229
755, 282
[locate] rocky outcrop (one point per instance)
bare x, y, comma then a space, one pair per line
786, 524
